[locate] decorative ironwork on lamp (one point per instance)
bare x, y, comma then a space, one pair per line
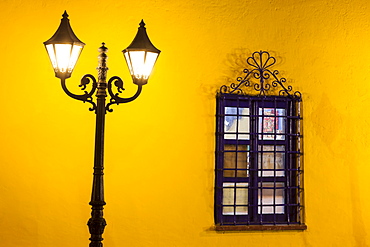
64, 49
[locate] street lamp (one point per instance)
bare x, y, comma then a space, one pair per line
64, 49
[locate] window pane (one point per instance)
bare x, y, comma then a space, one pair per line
236, 159
270, 125
228, 192
236, 123
271, 198
235, 199
271, 160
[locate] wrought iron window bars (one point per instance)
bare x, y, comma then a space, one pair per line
258, 157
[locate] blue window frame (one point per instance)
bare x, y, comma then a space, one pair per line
258, 160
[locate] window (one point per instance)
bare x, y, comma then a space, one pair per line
258, 162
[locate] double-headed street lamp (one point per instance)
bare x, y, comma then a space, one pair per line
64, 49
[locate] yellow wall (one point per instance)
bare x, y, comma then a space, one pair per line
160, 149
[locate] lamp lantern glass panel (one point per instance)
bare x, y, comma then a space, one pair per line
64, 49
141, 63
141, 56
63, 57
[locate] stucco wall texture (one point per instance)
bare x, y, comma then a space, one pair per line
159, 158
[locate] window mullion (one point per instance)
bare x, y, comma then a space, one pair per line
275, 135
253, 185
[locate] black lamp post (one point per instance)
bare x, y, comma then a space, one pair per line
64, 49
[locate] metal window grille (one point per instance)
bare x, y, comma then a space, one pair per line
258, 156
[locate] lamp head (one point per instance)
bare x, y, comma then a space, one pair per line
64, 49
141, 56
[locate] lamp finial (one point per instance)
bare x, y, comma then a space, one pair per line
142, 23
65, 15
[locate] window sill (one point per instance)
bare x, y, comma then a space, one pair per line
300, 227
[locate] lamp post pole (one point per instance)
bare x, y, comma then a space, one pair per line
64, 49
97, 222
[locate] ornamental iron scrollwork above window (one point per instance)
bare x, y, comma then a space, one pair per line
261, 78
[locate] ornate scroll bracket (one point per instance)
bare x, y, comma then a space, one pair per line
87, 97
267, 79
115, 98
